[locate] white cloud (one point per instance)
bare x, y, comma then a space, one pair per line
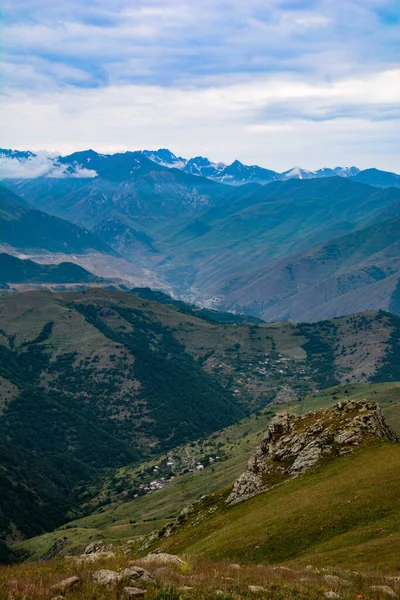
230, 78
277, 121
41, 165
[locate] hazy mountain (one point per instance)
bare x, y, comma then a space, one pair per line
212, 252
166, 158
17, 154
238, 174
127, 184
299, 173
203, 167
378, 178
25, 228
358, 271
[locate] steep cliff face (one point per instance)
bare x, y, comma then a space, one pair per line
293, 444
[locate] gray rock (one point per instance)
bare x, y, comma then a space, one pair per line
256, 589
106, 577
67, 584
132, 573
95, 547
294, 444
384, 589
163, 559
331, 595
54, 549
133, 592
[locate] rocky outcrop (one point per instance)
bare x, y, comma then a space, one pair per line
54, 549
293, 444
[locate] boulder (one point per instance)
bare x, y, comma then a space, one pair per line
133, 592
67, 584
384, 589
89, 558
162, 558
133, 573
256, 589
106, 577
331, 595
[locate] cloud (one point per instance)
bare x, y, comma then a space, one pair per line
204, 77
40, 165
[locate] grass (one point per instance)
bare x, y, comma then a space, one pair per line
120, 521
342, 513
198, 580
387, 395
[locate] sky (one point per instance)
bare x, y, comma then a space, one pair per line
278, 83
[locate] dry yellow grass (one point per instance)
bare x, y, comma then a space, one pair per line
198, 580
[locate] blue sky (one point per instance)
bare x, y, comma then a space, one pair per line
273, 82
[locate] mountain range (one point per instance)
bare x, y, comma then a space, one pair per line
296, 248
89, 163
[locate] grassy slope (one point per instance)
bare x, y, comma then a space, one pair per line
345, 513
153, 511
121, 522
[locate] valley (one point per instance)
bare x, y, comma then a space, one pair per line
298, 246
200, 300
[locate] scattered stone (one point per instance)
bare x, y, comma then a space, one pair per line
256, 588
132, 573
219, 592
163, 559
332, 595
58, 598
385, 589
89, 558
67, 584
132, 592
127, 576
295, 443
106, 577
235, 566
332, 579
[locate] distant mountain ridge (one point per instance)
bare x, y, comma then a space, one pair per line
89, 163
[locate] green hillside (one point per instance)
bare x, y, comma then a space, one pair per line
118, 518
16, 270
23, 227
344, 513
93, 381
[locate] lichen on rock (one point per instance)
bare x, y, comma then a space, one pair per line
293, 444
